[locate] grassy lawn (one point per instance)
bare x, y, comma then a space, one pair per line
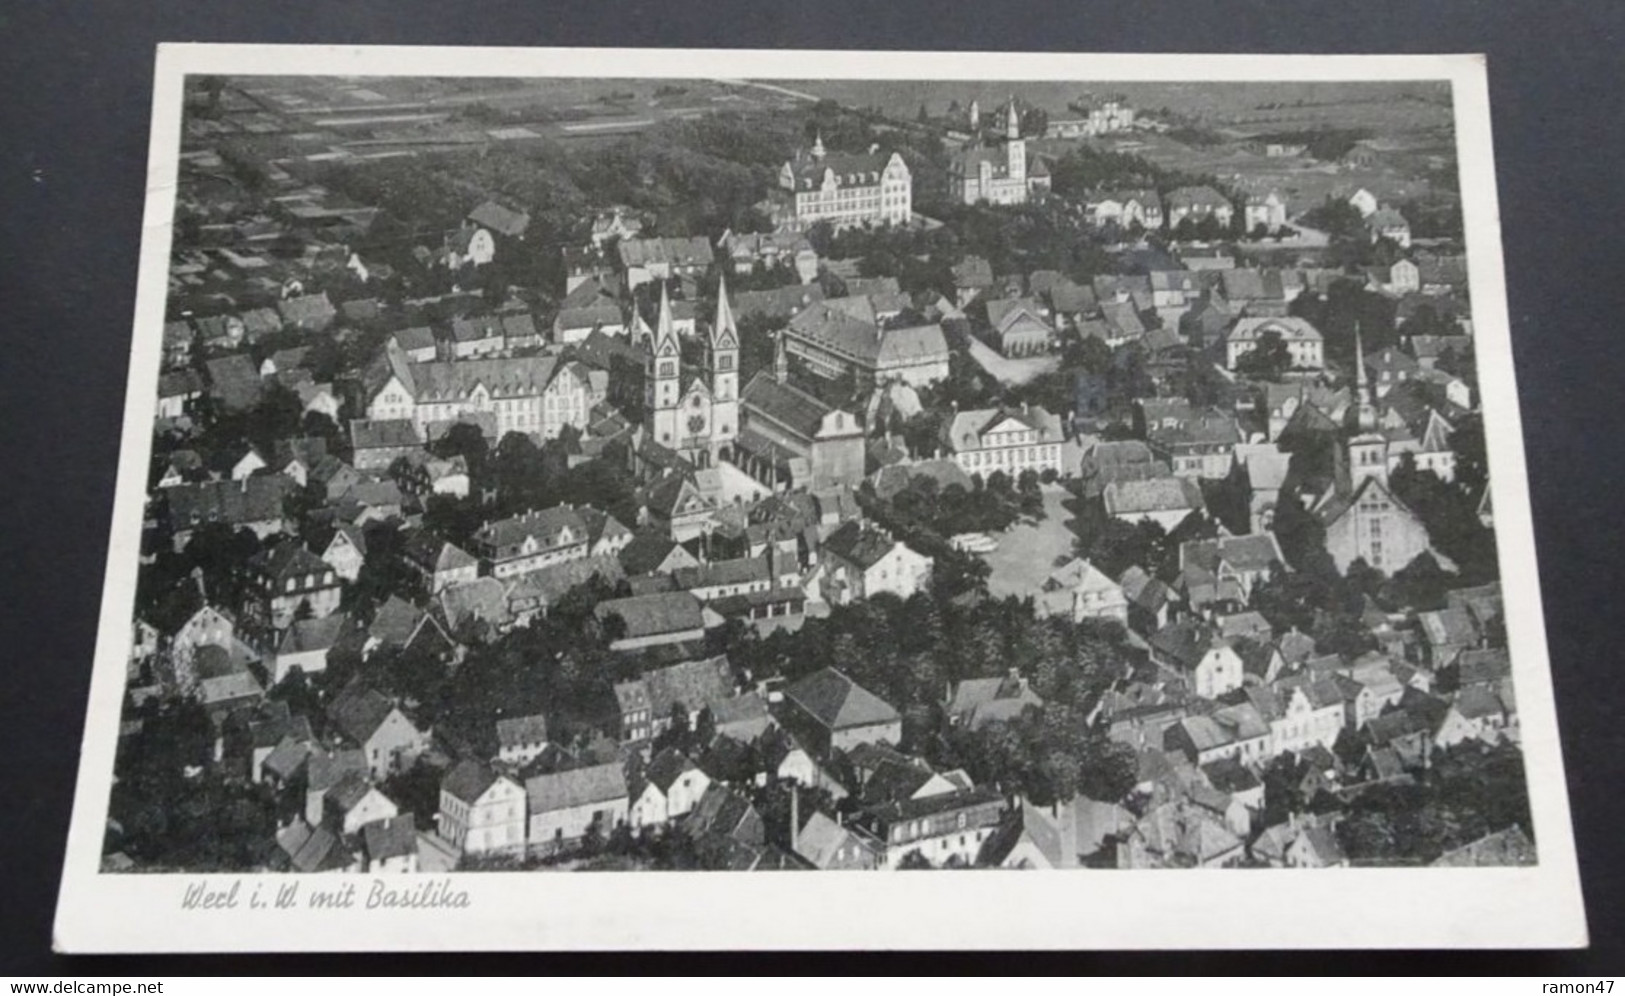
1026, 554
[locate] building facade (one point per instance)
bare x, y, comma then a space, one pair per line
845, 189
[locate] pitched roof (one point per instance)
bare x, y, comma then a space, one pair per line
802, 413
577, 787
655, 615
468, 780
500, 219
395, 837
1157, 494
359, 712
859, 546
520, 731
234, 381
838, 702
235, 503
692, 251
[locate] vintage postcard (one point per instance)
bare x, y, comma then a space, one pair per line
566, 493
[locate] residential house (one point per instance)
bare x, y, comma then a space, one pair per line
520, 739
391, 845
828, 711
306, 645
355, 802
438, 564
976, 702
482, 810
568, 805
865, 562
1207, 663
346, 551
234, 382
1078, 590
289, 581
648, 704
389, 741
672, 785
1197, 204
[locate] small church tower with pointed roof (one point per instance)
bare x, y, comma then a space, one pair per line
1367, 447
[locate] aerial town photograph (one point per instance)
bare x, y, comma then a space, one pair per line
558, 474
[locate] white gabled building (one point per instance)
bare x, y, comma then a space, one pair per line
984, 440
481, 810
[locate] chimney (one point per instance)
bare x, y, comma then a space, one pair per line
795, 814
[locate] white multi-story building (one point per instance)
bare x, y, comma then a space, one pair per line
845, 189
535, 395
985, 440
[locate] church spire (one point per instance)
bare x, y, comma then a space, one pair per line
781, 360
663, 325
1012, 120
1362, 390
724, 329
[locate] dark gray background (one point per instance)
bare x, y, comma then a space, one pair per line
76, 80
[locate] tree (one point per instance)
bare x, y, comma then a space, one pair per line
1267, 360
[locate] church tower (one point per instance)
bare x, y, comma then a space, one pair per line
1367, 448
662, 377
1015, 149
818, 146
724, 350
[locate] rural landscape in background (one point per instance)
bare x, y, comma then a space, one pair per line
613, 474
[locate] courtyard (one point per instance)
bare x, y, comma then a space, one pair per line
1027, 552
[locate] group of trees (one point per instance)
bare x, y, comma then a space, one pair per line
1466, 794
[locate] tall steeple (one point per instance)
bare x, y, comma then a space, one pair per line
724, 331
1368, 448
662, 376
663, 325
1362, 390
724, 350
781, 359
1012, 120
975, 116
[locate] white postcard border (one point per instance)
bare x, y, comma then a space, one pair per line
1531, 907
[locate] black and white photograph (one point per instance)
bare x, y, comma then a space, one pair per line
1056, 475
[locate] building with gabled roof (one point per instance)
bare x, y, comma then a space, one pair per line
482, 810
829, 711
985, 440
1079, 590
1167, 501
672, 785
831, 343
566, 806
653, 620
372, 721
648, 703
842, 188
863, 562
509, 222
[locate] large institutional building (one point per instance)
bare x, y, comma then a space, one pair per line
998, 175
833, 343
844, 189
534, 394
